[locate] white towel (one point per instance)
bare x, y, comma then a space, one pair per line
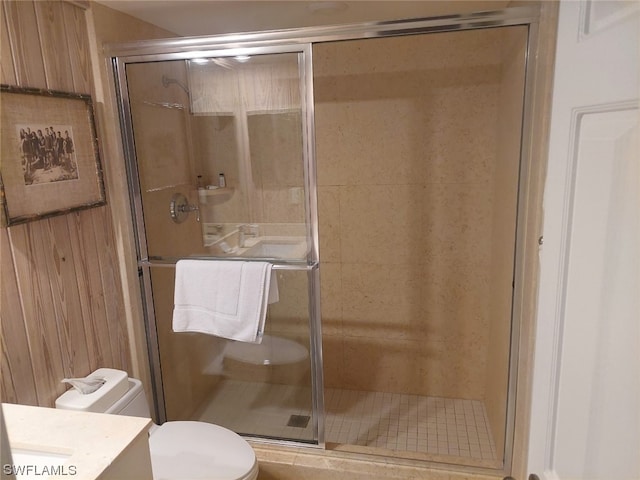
223, 298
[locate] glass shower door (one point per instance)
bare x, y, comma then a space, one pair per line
220, 169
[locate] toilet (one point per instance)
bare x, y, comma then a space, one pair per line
179, 450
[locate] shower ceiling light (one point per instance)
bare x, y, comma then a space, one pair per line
200, 61
243, 58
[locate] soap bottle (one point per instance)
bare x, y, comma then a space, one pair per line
199, 182
222, 182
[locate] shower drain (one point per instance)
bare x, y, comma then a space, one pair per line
300, 421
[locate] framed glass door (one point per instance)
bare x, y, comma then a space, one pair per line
221, 168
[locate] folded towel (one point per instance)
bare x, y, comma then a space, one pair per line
223, 298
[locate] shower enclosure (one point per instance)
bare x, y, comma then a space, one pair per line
384, 159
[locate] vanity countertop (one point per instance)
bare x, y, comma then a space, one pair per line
99, 445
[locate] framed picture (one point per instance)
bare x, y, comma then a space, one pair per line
49, 158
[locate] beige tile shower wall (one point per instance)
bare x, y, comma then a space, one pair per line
513, 49
406, 132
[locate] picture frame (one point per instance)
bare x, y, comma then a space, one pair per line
49, 157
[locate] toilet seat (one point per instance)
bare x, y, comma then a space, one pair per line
198, 450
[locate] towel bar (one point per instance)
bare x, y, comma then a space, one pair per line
172, 263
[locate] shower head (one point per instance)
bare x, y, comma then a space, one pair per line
167, 81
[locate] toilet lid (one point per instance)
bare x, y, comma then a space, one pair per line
199, 450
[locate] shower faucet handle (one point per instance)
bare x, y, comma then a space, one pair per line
179, 208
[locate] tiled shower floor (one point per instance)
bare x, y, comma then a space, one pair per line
409, 423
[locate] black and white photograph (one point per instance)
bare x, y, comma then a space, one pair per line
46, 153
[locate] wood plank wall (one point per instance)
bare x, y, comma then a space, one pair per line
61, 309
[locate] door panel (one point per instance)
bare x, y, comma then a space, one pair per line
585, 420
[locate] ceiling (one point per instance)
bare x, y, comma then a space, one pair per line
209, 17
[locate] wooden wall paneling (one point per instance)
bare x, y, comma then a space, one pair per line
92, 340
17, 372
52, 314
66, 300
110, 279
63, 311
107, 262
53, 42
25, 44
47, 321
35, 297
7, 70
78, 44
8, 391
90, 285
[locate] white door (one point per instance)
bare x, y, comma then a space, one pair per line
586, 403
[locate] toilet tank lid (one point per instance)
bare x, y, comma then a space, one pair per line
116, 385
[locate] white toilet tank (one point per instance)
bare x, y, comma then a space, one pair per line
133, 403
120, 395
